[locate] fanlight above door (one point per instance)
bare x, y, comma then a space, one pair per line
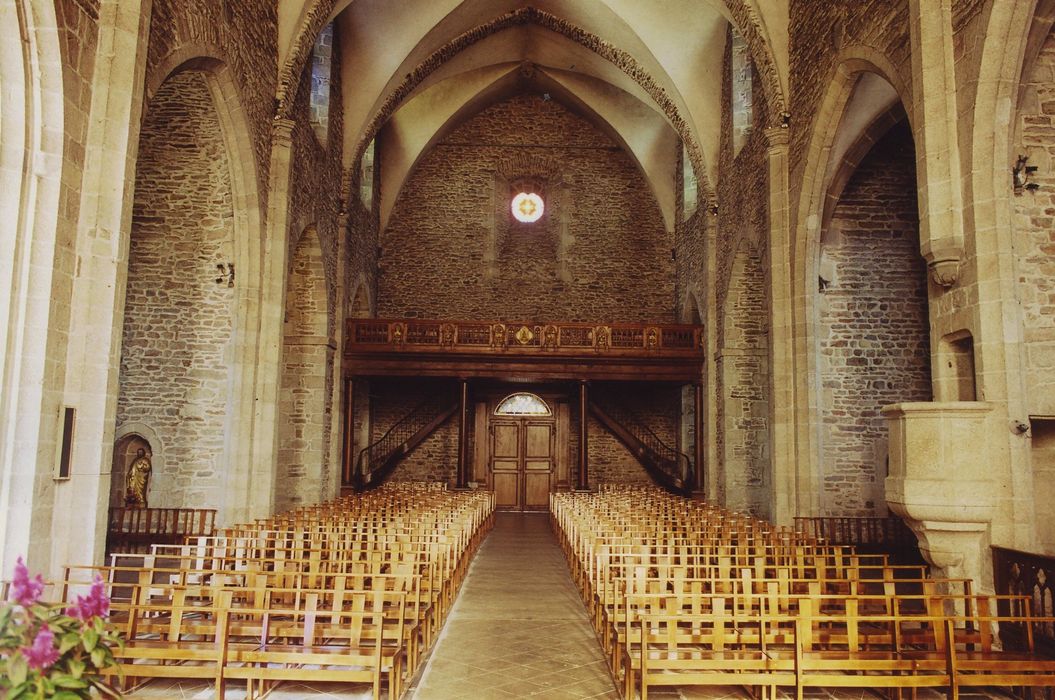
522, 404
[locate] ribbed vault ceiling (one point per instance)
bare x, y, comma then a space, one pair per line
647, 73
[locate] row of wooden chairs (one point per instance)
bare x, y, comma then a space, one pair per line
353, 591
684, 593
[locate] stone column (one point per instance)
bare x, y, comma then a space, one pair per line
98, 293
937, 150
941, 481
251, 483
783, 416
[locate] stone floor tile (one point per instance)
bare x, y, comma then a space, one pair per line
520, 607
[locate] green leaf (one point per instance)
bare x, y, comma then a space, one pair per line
91, 639
68, 641
17, 690
17, 669
69, 682
66, 695
77, 668
99, 655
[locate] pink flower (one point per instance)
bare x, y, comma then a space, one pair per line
24, 590
42, 654
95, 605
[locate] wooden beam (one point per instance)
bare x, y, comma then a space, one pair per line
463, 436
511, 368
584, 448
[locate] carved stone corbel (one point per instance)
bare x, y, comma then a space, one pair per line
945, 272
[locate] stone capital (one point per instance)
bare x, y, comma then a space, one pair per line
778, 139
282, 131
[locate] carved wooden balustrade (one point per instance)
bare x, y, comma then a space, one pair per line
647, 351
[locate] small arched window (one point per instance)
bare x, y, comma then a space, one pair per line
522, 404
321, 66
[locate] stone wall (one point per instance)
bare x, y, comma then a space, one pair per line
435, 459
599, 253
177, 325
1034, 240
1034, 246
744, 479
873, 332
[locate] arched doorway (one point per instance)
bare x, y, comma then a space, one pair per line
522, 453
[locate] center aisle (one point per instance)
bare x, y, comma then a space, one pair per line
519, 628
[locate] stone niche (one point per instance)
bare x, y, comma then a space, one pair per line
941, 481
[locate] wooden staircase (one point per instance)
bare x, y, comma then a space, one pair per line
665, 465
377, 461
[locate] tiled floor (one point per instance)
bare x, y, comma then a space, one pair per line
519, 628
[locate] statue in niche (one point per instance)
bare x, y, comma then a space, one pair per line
137, 480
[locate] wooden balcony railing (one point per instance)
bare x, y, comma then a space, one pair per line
485, 338
654, 350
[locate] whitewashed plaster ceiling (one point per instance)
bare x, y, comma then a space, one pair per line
677, 44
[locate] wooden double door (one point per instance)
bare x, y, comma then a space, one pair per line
522, 457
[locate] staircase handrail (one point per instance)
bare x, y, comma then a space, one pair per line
675, 464
379, 451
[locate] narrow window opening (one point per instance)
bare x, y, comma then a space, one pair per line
321, 66
689, 184
366, 177
742, 97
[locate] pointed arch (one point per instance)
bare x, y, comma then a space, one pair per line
745, 478
816, 179
306, 373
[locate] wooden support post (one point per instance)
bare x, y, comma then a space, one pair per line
697, 480
348, 475
584, 447
463, 437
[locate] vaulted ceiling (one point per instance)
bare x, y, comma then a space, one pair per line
648, 73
